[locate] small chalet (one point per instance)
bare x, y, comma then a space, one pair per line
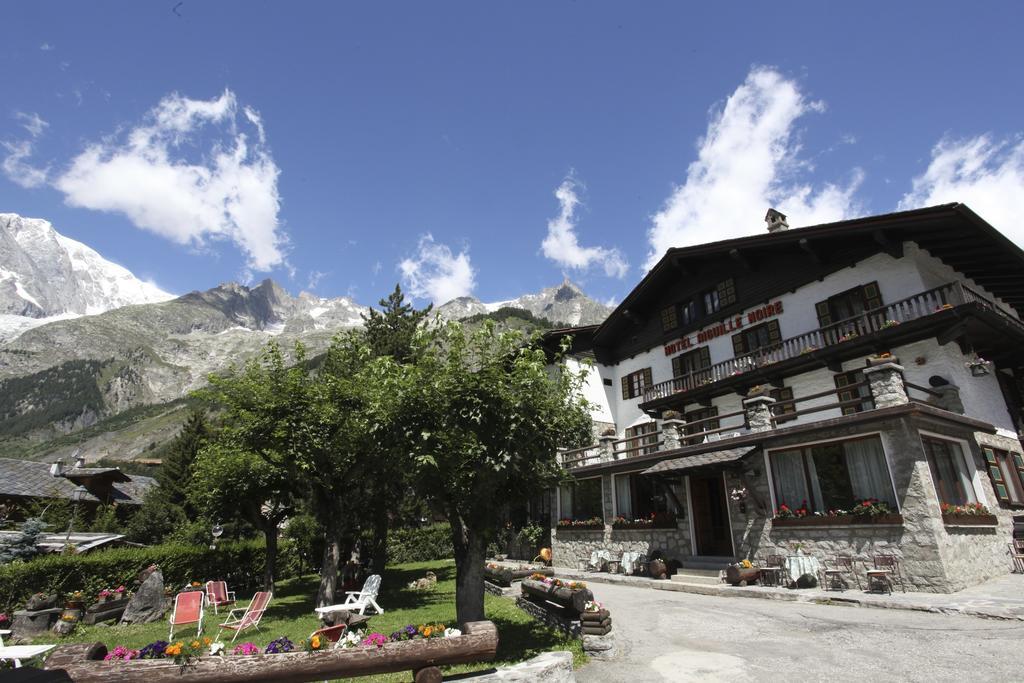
25, 480
760, 394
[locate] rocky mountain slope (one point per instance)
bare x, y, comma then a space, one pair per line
117, 381
46, 276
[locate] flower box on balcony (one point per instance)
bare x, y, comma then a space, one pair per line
836, 520
970, 520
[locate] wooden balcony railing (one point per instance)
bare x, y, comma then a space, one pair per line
913, 307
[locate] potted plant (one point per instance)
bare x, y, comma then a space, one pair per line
75, 600
971, 514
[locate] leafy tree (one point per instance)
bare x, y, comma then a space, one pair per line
231, 481
390, 332
487, 416
105, 520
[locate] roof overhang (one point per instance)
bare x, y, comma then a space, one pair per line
701, 460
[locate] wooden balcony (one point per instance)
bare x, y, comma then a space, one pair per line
874, 330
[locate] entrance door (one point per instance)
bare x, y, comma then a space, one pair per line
710, 515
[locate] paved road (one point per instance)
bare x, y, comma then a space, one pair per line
669, 636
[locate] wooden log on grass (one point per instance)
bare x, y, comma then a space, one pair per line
478, 642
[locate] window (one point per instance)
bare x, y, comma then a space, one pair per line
780, 411
645, 445
688, 312
634, 383
862, 392
639, 497
691, 361
763, 336
949, 471
1007, 472
581, 499
711, 302
669, 319
832, 476
696, 415
848, 304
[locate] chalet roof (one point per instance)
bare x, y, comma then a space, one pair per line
82, 541
950, 232
690, 462
28, 479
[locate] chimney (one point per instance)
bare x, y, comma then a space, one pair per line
776, 221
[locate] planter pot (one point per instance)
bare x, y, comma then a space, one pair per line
840, 520
583, 527
739, 576
970, 520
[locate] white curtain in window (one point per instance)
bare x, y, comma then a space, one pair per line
565, 502
790, 481
623, 499
869, 477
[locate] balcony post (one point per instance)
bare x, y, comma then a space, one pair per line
672, 430
560, 455
758, 407
606, 447
885, 380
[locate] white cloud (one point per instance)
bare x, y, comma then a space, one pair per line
315, 276
46, 47
562, 246
435, 273
15, 164
228, 192
985, 174
747, 161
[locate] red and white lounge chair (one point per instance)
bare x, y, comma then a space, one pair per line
333, 634
188, 609
250, 617
218, 595
358, 601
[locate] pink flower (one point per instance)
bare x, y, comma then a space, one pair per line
246, 649
375, 640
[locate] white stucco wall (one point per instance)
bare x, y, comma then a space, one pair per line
597, 395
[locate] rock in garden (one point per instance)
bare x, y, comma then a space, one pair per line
148, 602
41, 601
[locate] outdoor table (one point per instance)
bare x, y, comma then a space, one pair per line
798, 565
20, 652
879, 580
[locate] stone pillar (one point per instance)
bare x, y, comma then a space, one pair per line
886, 382
672, 431
759, 412
606, 447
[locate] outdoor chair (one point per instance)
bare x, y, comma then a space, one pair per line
598, 560
1017, 554
358, 601
188, 609
885, 573
773, 571
631, 562
837, 571
218, 595
249, 617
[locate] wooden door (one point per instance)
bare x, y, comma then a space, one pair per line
710, 515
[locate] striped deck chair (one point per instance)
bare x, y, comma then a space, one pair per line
188, 609
240, 620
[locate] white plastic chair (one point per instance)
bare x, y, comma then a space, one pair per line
358, 601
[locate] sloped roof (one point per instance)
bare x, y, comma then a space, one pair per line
28, 479
690, 462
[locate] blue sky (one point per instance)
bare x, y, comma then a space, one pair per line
427, 141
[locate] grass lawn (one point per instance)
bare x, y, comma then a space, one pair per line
291, 614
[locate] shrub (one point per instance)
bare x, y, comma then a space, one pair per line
240, 563
423, 544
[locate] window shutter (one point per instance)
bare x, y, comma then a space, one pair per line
677, 366
625, 387
1018, 462
739, 344
774, 333
726, 293
705, 357
996, 474
872, 296
824, 314
842, 381
669, 320
648, 379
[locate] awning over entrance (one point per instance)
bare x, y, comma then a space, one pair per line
690, 462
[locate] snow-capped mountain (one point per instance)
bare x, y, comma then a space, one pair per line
563, 304
46, 276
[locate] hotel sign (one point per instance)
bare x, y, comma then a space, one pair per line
724, 327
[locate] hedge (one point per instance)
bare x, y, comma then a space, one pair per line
423, 544
240, 563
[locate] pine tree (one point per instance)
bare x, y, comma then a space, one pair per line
176, 470
390, 331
